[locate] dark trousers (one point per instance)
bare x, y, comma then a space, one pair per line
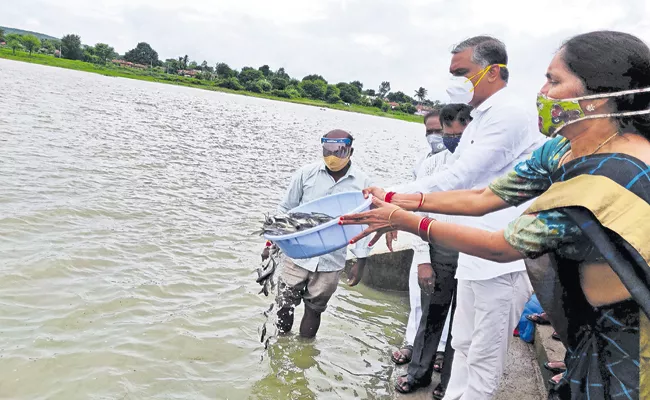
434, 312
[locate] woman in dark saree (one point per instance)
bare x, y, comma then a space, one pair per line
586, 237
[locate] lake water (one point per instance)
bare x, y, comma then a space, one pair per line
126, 260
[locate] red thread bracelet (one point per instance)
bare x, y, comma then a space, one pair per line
421, 200
389, 197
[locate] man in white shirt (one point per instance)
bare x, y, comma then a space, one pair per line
435, 268
490, 296
315, 280
433, 159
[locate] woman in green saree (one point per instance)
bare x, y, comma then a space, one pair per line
585, 237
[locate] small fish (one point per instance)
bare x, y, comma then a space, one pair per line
284, 224
263, 333
268, 312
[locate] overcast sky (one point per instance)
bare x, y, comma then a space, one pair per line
405, 42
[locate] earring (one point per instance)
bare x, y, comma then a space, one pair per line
591, 107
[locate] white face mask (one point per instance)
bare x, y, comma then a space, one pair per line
435, 141
460, 90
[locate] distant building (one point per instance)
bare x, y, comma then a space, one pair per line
422, 110
188, 73
129, 64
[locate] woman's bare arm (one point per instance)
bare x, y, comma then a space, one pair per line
476, 202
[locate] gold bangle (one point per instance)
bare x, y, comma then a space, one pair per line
391, 215
429, 231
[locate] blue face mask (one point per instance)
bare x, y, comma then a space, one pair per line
451, 142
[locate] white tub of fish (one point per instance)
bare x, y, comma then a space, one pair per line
328, 236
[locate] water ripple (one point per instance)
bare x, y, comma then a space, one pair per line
127, 261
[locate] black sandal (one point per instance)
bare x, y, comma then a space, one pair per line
408, 385
404, 358
439, 392
438, 363
539, 319
554, 370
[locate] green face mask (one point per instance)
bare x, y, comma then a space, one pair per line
555, 114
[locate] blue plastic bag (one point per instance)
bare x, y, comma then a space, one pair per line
526, 327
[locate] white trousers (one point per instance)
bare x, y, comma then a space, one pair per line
487, 312
416, 305
445, 332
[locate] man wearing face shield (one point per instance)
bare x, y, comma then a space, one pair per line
315, 280
490, 296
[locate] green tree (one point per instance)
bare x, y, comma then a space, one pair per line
265, 85
399, 97
314, 89
193, 65
421, 94
370, 92
14, 43
349, 92
230, 83
185, 60
31, 43
224, 71
89, 55
49, 45
384, 88
378, 102
71, 47
249, 74
292, 92
279, 82
407, 108
172, 65
104, 52
358, 85
282, 74
253, 86
2, 34
266, 70
142, 54
314, 77
333, 94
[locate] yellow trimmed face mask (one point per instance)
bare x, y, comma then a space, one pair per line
336, 153
555, 114
461, 89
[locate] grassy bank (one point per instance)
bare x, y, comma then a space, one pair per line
155, 76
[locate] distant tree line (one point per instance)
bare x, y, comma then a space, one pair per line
258, 80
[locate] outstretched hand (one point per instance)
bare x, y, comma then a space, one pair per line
376, 219
375, 192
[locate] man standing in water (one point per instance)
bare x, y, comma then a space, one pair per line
315, 280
